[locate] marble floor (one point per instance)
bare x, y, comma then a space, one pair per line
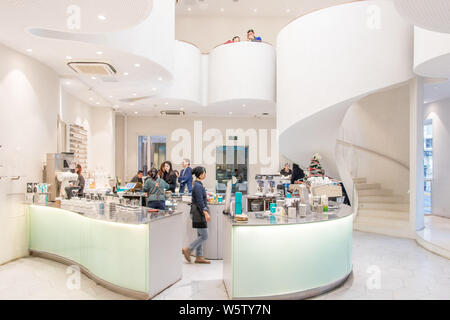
383, 268
437, 233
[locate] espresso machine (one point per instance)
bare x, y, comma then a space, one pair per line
59, 165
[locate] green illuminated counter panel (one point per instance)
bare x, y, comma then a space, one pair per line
138, 260
287, 258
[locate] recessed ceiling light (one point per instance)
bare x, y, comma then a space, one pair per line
181, 108
68, 82
110, 96
288, 10
90, 99
99, 53
101, 17
154, 89
244, 105
255, 10
137, 65
29, 50
68, 57
93, 78
97, 103
166, 103
189, 9
125, 73
135, 94
222, 9
160, 78
135, 112
230, 112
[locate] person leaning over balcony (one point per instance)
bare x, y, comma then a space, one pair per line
251, 36
200, 217
235, 39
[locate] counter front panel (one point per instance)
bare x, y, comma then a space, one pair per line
293, 260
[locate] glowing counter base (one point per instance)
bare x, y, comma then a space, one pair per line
287, 259
138, 260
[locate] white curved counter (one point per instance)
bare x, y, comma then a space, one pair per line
287, 259
138, 260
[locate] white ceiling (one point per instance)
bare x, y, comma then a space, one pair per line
436, 91
428, 14
17, 17
56, 15
245, 8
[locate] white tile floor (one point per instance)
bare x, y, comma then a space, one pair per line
406, 270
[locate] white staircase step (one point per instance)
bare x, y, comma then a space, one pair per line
383, 199
384, 206
393, 228
360, 180
375, 192
366, 186
383, 214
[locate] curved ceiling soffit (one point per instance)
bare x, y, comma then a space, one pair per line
323, 124
433, 15
77, 16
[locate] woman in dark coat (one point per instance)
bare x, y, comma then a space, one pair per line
200, 217
168, 175
297, 174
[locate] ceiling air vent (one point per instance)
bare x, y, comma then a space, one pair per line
172, 113
93, 68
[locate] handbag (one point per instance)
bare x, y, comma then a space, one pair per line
198, 218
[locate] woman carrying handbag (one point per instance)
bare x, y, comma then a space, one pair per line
200, 217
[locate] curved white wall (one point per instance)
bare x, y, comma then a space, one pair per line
328, 59
187, 74
431, 53
244, 70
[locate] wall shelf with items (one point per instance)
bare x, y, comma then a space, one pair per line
78, 144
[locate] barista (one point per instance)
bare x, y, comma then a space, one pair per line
78, 185
138, 180
138, 177
286, 171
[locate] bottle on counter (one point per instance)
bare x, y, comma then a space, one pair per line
324, 203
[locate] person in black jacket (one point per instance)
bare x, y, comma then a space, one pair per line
297, 174
200, 217
168, 175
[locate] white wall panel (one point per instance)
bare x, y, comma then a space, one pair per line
187, 73
244, 70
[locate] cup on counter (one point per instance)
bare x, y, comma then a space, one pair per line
273, 208
301, 210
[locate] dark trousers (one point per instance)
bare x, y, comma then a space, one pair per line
158, 204
184, 185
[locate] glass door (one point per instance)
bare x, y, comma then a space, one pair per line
428, 165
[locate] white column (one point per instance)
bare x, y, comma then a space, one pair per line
125, 148
416, 175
